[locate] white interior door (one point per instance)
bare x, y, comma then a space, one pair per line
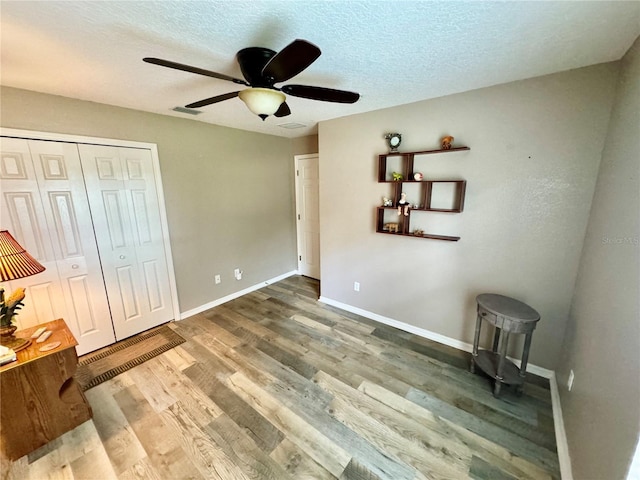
308, 215
22, 213
45, 207
60, 179
124, 204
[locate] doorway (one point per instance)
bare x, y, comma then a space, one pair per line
308, 214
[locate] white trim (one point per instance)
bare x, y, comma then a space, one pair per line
634, 468
62, 137
401, 325
228, 298
421, 332
153, 148
558, 422
561, 435
164, 225
535, 369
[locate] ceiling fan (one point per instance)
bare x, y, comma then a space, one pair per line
262, 68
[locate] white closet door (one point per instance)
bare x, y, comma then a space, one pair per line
59, 174
124, 205
22, 213
44, 205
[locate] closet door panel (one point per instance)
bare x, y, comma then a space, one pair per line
59, 174
105, 184
22, 210
129, 295
125, 209
44, 300
145, 208
22, 213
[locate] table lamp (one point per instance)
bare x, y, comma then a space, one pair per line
15, 262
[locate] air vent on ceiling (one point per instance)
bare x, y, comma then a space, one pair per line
291, 125
189, 111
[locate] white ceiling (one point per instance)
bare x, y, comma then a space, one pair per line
391, 52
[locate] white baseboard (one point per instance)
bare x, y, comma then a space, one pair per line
561, 435
421, 332
234, 295
558, 422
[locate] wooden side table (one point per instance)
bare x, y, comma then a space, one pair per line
40, 400
508, 316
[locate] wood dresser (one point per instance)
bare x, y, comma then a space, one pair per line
39, 398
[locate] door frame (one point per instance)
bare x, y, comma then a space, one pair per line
296, 160
61, 137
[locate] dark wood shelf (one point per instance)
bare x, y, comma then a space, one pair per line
426, 152
426, 235
426, 195
418, 181
440, 210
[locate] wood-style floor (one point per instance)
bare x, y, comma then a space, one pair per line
275, 385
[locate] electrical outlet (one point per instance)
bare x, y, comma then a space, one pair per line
356, 286
237, 273
217, 278
570, 380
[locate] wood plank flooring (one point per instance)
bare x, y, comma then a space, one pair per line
275, 385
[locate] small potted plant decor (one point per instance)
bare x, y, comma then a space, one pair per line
8, 310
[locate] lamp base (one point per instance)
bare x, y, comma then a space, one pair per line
8, 340
14, 343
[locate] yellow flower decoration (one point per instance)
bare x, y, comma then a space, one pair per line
16, 297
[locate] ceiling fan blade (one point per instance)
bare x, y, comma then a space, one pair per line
320, 93
216, 99
291, 60
283, 111
189, 68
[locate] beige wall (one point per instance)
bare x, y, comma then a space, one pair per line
535, 151
602, 343
228, 192
304, 145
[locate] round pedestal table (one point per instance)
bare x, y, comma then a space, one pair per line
508, 316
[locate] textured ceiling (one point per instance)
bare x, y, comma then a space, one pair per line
391, 52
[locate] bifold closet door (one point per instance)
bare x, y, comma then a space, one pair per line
44, 205
126, 216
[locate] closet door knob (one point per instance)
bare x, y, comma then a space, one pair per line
122, 257
74, 266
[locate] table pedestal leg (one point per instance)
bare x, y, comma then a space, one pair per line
504, 340
476, 340
496, 340
525, 361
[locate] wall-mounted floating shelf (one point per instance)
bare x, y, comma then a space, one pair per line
435, 195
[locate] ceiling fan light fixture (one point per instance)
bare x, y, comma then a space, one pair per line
262, 101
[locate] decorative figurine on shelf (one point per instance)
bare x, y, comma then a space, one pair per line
403, 205
393, 139
397, 176
446, 142
387, 202
418, 176
391, 227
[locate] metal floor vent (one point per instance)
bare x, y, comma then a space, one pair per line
189, 111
